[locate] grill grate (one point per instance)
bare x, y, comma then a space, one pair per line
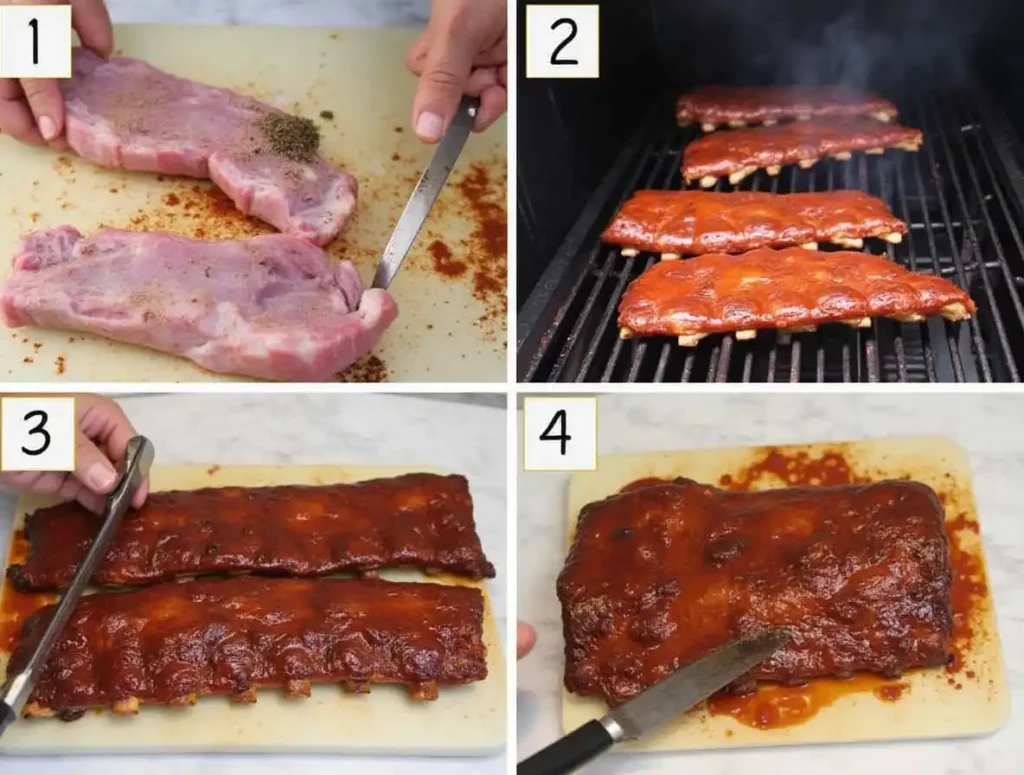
962, 196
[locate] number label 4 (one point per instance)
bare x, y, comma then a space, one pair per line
559, 433
562, 41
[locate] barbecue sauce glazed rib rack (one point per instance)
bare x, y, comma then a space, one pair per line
961, 194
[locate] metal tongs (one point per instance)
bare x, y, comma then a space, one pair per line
425, 194
133, 470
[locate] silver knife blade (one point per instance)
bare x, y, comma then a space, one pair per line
132, 470
425, 194
691, 684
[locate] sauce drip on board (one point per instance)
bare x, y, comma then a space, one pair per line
773, 706
15, 606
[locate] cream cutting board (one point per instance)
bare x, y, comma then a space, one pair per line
463, 721
448, 329
929, 707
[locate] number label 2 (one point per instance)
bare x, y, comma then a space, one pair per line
37, 433
573, 29
559, 433
562, 41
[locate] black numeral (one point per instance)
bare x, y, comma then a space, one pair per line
34, 24
40, 430
556, 61
562, 435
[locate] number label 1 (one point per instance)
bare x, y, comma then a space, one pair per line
37, 433
562, 41
559, 433
35, 41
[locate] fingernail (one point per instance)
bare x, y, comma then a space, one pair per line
47, 128
100, 478
429, 126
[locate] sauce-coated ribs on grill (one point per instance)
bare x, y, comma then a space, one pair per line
680, 223
659, 575
793, 289
172, 643
738, 106
738, 153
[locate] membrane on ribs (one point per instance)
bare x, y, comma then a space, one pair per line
271, 307
125, 113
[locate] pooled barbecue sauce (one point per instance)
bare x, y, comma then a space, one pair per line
15, 606
774, 706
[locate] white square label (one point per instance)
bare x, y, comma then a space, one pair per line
559, 433
35, 41
37, 433
562, 41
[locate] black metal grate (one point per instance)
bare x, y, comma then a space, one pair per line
962, 195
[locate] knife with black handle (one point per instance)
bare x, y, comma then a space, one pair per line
662, 702
133, 469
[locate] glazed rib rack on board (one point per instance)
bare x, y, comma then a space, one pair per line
677, 223
794, 289
860, 575
961, 196
739, 106
739, 153
422, 520
176, 642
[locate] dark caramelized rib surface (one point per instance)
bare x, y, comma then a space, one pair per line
658, 576
722, 153
753, 104
790, 288
422, 520
170, 643
695, 222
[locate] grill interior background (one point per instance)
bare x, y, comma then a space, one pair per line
962, 196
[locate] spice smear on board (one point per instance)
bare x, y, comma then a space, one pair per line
289, 136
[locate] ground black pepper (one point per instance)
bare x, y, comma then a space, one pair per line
327, 114
290, 136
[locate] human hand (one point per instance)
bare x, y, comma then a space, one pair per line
101, 443
526, 638
464, 50
32, 109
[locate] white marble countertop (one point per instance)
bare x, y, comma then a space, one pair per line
312, 429
987, 426
304, 13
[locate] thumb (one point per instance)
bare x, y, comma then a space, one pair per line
445, 73
92, 468
47, 104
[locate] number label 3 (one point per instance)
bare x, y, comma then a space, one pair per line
559, 433
37, 433
562, 41
35, 41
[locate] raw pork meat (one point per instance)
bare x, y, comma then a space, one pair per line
269, 307
126, 114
